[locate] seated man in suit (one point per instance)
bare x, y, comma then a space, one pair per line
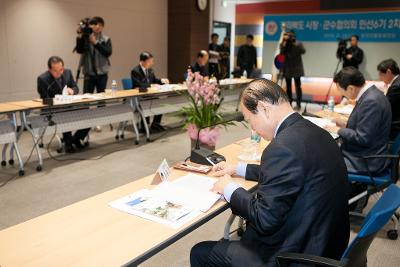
201, 64
389, 73
367, 129
51, 83
300, 204
143, 76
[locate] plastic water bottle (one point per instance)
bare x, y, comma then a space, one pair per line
255, 137
114, 87
245, 74
331, 104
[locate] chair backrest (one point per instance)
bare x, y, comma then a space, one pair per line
127, 83
395, 150
378, 216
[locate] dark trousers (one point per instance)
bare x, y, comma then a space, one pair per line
91, 82
156, 120
213, 69
299, 93
224, 253
79, 135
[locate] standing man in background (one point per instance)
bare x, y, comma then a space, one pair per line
95, 49
214, 56
225, 56
247, 56
292, 49
353, 55
389, 73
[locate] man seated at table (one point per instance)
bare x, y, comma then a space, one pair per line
201, 64
300, 204
389, 73
367, 129
51, 83
143, 76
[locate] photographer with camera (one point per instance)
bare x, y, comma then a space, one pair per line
293, 66
352, 56
95, 49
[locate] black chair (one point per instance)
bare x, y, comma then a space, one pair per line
356, 253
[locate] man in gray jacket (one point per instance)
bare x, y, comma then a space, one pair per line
95, 50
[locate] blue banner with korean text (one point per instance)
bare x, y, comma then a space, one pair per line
370, 27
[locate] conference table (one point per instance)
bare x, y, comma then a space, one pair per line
85, 111
90, 233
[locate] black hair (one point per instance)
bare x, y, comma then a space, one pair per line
201, 53
96, 20
356, 36
389, 64
214, 35
227, 38
53, 60
145, 56
262, 90
349, 76
250, 36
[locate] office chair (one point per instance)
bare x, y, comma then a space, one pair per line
376, 184
126, 83
356, 253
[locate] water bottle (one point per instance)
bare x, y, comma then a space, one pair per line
331, 104
114, 87
245, 74
255, 137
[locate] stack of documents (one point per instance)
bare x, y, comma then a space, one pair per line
321, 122
171, 203
345, 110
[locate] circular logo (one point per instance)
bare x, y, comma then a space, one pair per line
271, 28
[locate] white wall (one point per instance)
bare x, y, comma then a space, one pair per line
33, 30
225, 14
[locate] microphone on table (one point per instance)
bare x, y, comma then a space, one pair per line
48, 100
205, 156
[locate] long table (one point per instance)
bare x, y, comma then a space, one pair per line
122, 106
90, 233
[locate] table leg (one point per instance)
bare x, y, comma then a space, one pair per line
35, 139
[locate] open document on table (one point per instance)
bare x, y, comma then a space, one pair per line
345, 110
321, 122
171, 203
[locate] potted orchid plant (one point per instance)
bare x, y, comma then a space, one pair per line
203, 111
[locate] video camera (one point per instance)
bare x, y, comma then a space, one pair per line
342, 46
84, 27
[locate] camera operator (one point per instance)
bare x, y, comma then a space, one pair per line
95, 49
293, 66
352, 56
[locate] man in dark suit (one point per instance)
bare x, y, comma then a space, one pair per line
247, 56
143, 77
366, 131
51, 83
300, 204
201, 65
389, 73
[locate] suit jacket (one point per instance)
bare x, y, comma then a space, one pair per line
300, 204
247, 57
367, 133
393, 95
202, 70
48, 87
139, 78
